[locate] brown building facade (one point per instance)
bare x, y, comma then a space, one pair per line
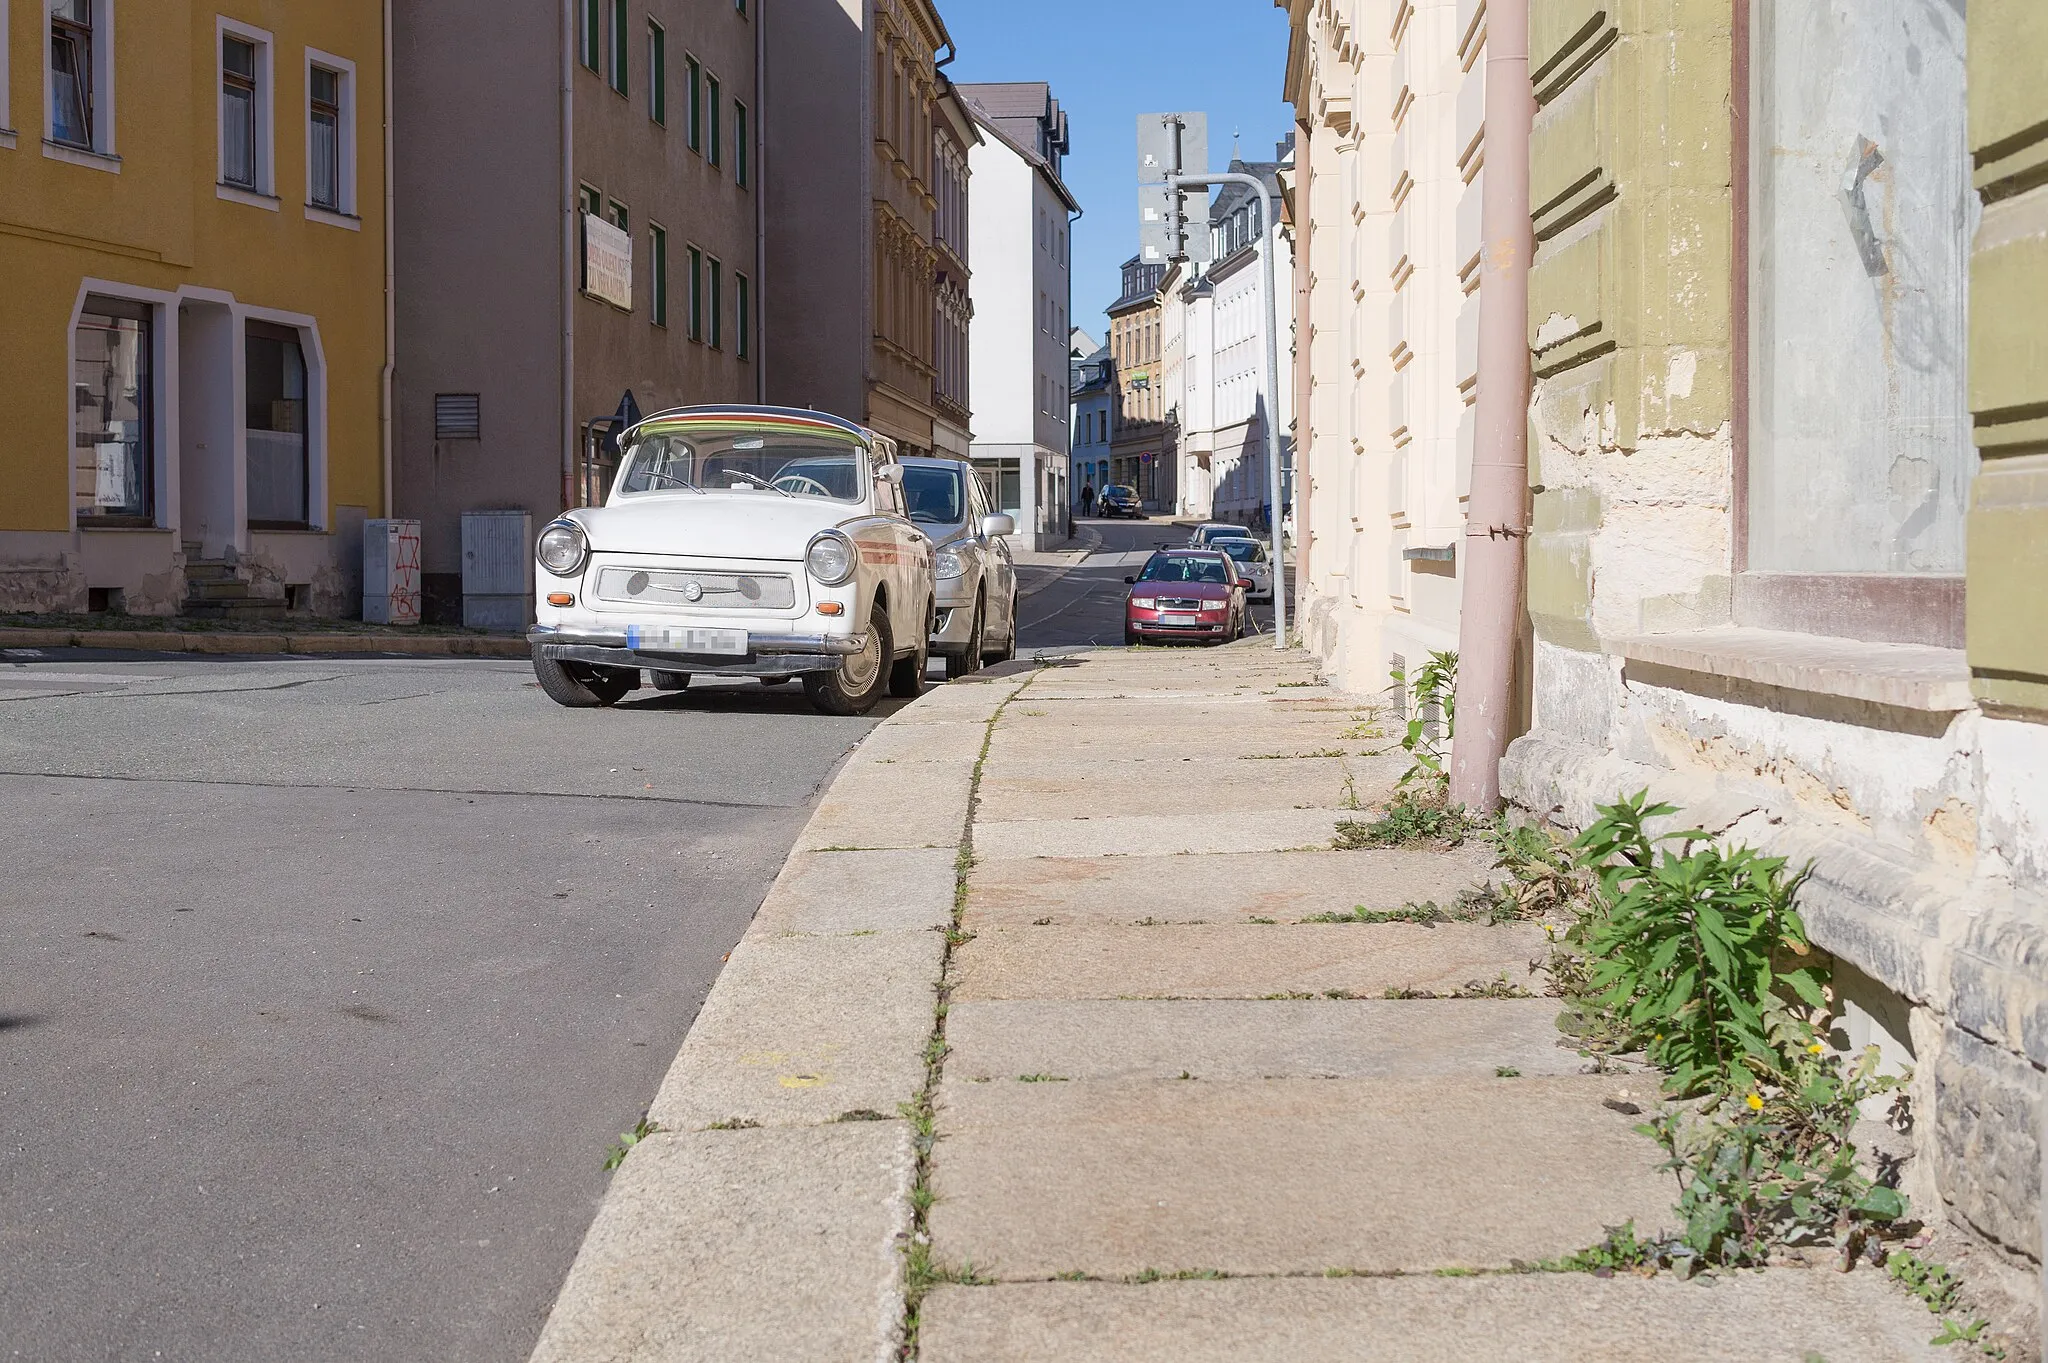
851, 207
1139, 447
579, 214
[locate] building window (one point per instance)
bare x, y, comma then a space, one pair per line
238, 113
714, 301
657, 247
1858, 280
742, 315
79, 70
620, 59
739, 144
618, 216
330, 134
657, 73
114, 413
693, 90
696, 291
740, 6
712, 112
458, 416
590, 35
276, 426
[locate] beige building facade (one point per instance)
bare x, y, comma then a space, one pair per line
582, 222
1390, 105
1141, 443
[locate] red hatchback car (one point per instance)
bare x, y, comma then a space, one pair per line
1186, 594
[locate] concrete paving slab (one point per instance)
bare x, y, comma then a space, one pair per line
757, 1245
843, 892
876, 806
918, 744
1194, 788
1224, 888
1087, 1039
1285, 1176
1780, 1316
805, 1029
1262, 830
1170, 741
1228, 961
1121, 714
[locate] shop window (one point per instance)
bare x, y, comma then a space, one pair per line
276, 427
113, 414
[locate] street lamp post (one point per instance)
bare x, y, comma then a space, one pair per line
1271, 423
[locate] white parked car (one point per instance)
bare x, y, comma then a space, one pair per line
1252, 561
1207, 533
977, 620
739, 542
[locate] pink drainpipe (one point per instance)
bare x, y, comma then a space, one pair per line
1496, 519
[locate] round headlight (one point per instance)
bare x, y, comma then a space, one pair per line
952, 563
831, 558
562, 549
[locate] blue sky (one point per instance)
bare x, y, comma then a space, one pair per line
1109, 61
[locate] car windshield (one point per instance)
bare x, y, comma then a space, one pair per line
1244, 551
744, 459
936, 496
1225, 532
1184, 568
1116, 490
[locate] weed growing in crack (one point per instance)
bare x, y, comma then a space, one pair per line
1410, 819
1041, 1079
1153, 1275
642, 1129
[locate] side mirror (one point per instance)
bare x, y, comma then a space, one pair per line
998, 525
1130, 582
889, 473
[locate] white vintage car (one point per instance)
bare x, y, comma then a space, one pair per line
739, 542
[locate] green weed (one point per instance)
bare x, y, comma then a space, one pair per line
642, 1129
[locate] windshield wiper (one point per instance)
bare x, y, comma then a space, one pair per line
758, 481
677, 479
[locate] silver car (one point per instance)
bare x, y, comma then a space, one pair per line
976, 620
1252, 562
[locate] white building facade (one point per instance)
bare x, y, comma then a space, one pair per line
1020, 219
1389, 98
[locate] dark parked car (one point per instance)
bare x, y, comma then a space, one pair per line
1119, 500
1186, 594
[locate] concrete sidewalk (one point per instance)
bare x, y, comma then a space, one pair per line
1036, 1008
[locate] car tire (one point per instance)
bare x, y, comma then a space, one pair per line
906, 678
1131, 639
850, 688
581, 686
967, 662
783, 680
670, 681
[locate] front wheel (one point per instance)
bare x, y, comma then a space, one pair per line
582, 685
968, 661
670, 681
857, 683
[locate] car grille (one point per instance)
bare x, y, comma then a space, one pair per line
1181, 603
727, 591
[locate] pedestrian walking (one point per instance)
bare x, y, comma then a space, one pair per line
1087, 499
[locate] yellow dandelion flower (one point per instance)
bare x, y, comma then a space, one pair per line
1756, 1102
1815, 1048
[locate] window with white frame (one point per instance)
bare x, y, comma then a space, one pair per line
79, 75
246, 145
330, 134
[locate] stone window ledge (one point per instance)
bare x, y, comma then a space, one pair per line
1909, 676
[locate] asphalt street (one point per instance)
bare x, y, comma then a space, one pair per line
324, 987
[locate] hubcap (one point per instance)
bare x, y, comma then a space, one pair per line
858, 672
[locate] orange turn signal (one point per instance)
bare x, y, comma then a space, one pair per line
561, 599
831, 608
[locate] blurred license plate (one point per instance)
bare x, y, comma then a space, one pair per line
1177, 618
688, 639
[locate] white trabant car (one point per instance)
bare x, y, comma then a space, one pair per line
739, 542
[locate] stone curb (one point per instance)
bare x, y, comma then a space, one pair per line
180, 641
766, 1219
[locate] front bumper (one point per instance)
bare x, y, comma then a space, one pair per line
1156, 628
769, 655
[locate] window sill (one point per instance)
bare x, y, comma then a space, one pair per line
85, 523
79, 156
1908, 676
236, 195
348, 222
6, 139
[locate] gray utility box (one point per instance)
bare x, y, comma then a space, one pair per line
497, 570
391, 572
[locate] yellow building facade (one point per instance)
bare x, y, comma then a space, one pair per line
192, 303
